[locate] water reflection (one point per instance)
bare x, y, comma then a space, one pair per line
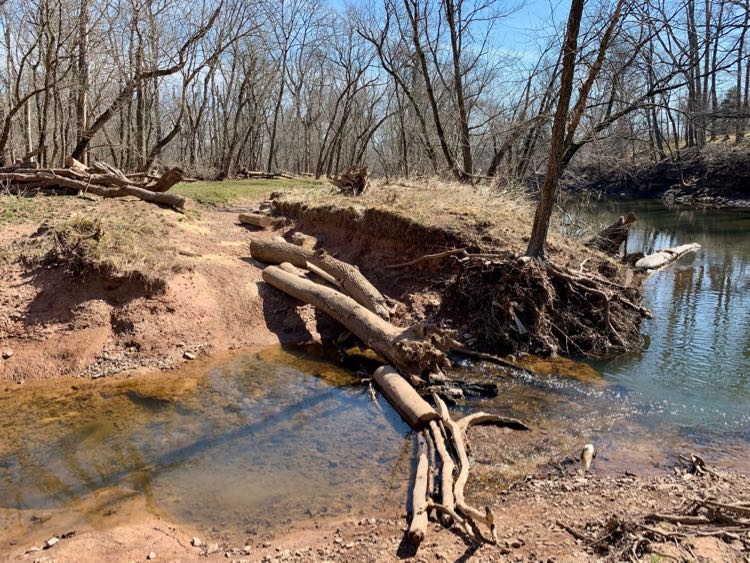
251, 443
696, 360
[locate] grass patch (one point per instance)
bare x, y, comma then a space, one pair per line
218, 193
17, 209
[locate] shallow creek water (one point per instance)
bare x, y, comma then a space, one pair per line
251, 441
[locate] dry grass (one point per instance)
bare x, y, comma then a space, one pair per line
123, 242
478, 214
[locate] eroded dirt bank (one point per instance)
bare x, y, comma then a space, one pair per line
713, 176
179, 287
174, 288
109, 286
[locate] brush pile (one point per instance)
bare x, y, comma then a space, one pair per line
98, 179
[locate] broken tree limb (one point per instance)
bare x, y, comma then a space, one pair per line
418, 525
412, 355
479, 418
347, 276
415, 411
611, 237
469, 512
665, 256
446, 471
170, 178
255, 219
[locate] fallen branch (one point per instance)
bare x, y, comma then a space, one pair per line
418, 525
479, 418
99, 179
452, 252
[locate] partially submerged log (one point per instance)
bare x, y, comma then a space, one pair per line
415, 411
255, 219
611, 237
347, 276
665, 256
414, 356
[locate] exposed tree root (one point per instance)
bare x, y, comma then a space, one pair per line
545, 309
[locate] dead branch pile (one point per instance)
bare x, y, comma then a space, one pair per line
419, 355
630, 540
352, 182
513, 306
99, 179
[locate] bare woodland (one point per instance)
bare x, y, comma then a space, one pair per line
405, 87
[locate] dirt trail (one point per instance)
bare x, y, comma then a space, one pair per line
53, 324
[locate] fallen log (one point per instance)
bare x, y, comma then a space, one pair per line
665, 256
418, 525
611, 237
414, 356
415, 411
347, 276
256, 220
99, 179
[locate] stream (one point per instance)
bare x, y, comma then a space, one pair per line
252, 441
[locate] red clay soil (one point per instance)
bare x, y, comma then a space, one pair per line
54, 324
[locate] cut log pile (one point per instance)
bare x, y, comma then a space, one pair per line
99, 179
415, 358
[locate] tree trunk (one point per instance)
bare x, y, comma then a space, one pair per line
536, 248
